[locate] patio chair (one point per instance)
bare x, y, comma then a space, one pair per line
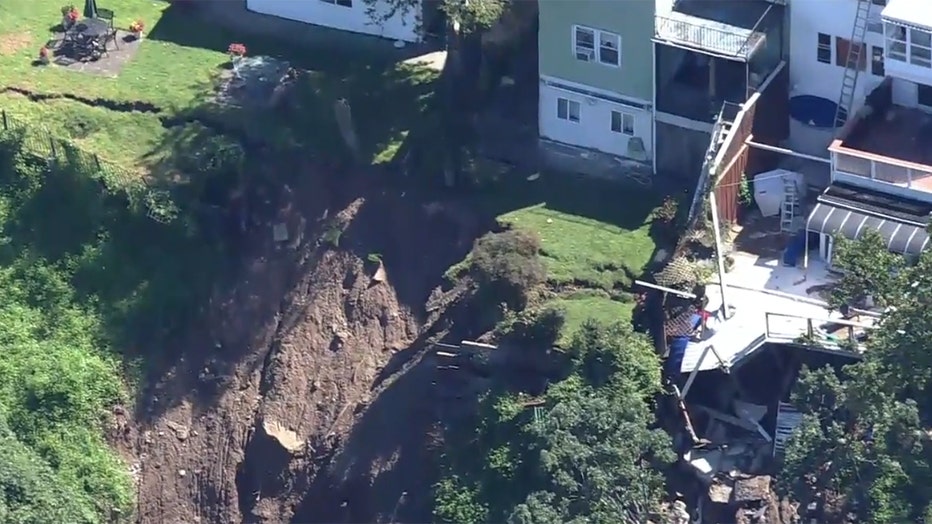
107, 14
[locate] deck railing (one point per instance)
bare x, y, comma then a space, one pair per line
709, 38
817, 333
898, 173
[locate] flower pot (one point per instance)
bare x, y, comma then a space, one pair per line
66, 22
44, 60
235, 60
137, 35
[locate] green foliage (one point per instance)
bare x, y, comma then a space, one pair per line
585, 451
507, 266
864, 440
472, 16
869, 269
537, 327
744, 191
83, 267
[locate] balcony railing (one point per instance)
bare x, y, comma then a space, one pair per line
730, 43
900, 174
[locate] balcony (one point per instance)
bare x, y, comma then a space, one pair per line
886, 148
721, 27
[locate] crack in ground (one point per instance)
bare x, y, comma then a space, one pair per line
125, 107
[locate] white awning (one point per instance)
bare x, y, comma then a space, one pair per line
916, 13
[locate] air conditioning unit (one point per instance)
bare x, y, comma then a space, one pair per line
585, 54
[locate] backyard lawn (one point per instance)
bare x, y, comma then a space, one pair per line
596, 237
174, 72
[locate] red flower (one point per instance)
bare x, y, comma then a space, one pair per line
137, 26
236, 50
43, 52
73, 15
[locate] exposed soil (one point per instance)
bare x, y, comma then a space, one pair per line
305, 395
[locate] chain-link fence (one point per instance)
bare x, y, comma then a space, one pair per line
39, 142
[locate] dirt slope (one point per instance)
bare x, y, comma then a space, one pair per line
303, 397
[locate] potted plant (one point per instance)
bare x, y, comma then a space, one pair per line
236, 52
44, 55
136, 28
69, 15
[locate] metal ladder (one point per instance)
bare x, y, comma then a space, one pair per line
852, 65
790, 206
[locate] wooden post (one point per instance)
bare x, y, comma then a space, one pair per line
686, 420
809, 331
6, 125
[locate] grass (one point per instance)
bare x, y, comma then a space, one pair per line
89, 280
596, 236
175, 70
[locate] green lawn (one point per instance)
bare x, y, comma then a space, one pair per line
595, 237
176, 69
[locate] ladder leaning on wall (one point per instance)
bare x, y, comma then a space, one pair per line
856, 50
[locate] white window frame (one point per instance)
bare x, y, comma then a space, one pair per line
568, 113
601, 40
626, 123
904, 48
341, 3
820, 47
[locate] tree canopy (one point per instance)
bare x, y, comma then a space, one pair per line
589, 454
865, 444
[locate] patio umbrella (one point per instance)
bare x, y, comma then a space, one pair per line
90, 9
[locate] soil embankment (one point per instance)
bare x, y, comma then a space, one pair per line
304, 396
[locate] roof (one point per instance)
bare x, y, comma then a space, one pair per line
879, 203
909, 12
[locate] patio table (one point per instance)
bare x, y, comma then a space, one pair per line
88, 37
92, 28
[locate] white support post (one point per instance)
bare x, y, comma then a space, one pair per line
719, 255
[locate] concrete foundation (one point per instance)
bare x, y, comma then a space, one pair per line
572, 159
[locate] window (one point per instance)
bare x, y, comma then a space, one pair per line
896, 42
925, 95
608, 49
824, 53
584, 43
920, 48
568, 110
843, 50
622, 123
343, 3
877, 61
592, 45
879, 2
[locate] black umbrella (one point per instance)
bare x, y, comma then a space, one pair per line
90, 9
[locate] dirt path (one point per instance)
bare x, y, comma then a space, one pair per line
304, 398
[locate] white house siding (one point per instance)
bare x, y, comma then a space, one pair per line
401, 26
835, 18
594, 129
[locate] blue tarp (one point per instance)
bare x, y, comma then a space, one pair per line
677, 349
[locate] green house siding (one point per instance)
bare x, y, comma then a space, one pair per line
633, 20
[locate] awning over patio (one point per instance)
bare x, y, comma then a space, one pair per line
901, 236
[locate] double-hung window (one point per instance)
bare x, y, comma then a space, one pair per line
622, 123
913, 46
568, 110
593, 45
343, 3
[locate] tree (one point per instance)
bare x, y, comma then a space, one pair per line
864, 441
469, 15
589, 454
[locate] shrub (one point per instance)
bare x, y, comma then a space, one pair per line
507, 266
538, 327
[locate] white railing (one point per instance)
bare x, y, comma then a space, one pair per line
811, 332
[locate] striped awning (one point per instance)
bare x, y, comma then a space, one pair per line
901, 237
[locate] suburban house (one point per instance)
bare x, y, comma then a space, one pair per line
595, 100
709, 53
357, 16
881, 159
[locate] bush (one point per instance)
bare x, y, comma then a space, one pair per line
508, 267
538, 327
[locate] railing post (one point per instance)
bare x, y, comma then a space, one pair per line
767, 324
809, 332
